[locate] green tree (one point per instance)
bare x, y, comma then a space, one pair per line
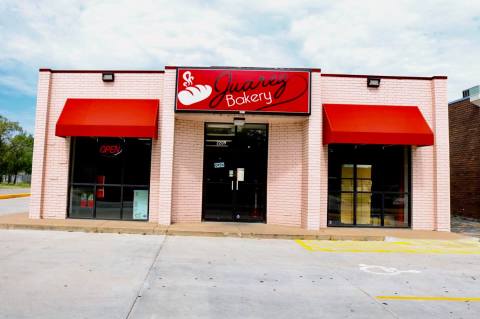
18, 155
16, 148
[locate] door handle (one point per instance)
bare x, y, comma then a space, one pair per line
232, 185
237, 185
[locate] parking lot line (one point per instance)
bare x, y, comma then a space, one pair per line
430, 298
303, 244
412, 246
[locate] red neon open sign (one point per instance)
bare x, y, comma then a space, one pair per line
110, 149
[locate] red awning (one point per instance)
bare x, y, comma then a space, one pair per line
109, 118
375, 124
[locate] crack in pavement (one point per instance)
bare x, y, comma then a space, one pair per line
144, 282
393, 314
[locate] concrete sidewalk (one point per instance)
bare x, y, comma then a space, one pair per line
217, 229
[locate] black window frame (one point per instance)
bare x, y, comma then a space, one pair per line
94, 184
407, 192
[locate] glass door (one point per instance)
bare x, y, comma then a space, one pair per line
219, 169
251, 172
235, 172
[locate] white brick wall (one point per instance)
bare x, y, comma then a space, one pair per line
297, 163
411, 92
38, 161
167, 133
187, 172
50, 181
442, 157
315, 207
285, 161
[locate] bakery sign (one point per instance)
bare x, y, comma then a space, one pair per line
248, 90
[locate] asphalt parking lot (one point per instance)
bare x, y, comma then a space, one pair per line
47, 274
14, 205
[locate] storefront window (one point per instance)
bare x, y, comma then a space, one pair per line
109, 178
368, 185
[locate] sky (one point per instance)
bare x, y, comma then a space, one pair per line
417, 38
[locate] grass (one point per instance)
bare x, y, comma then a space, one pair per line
20, 185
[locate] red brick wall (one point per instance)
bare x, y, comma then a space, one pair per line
464, 128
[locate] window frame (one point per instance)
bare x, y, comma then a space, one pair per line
407, 152
122, 185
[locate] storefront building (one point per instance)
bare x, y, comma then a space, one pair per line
290, 147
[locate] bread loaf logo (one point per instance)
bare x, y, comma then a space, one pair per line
193, 93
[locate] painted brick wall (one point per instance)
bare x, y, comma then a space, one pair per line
167, 130
429, 175
38, 161
284, 187
317, 176
187, 172
297, 164
442, 156
464, 119
304, 202
51, 200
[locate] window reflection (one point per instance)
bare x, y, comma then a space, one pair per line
105, 173
368, 185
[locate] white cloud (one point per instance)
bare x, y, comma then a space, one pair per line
405, 38
401, 37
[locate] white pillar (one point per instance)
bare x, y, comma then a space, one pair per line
441, 155
167, 134
315, 208
39, 148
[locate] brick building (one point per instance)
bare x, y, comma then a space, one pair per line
294, 147
464, 122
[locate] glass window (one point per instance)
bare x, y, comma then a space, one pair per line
137, 162
135, 203
108, 202
81, 201
83, 160
368, 185
107, 172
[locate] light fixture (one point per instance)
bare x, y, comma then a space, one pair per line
373, 82
239, 121
108, 77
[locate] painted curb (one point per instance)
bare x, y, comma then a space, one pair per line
7, 196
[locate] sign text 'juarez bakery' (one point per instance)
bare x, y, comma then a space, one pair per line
249, 90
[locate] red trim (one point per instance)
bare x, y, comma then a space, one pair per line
109, 118
436, 77
101, 71
375, 124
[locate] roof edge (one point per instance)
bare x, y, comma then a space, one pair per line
458, 100
394, 77
99, 71
172, 67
